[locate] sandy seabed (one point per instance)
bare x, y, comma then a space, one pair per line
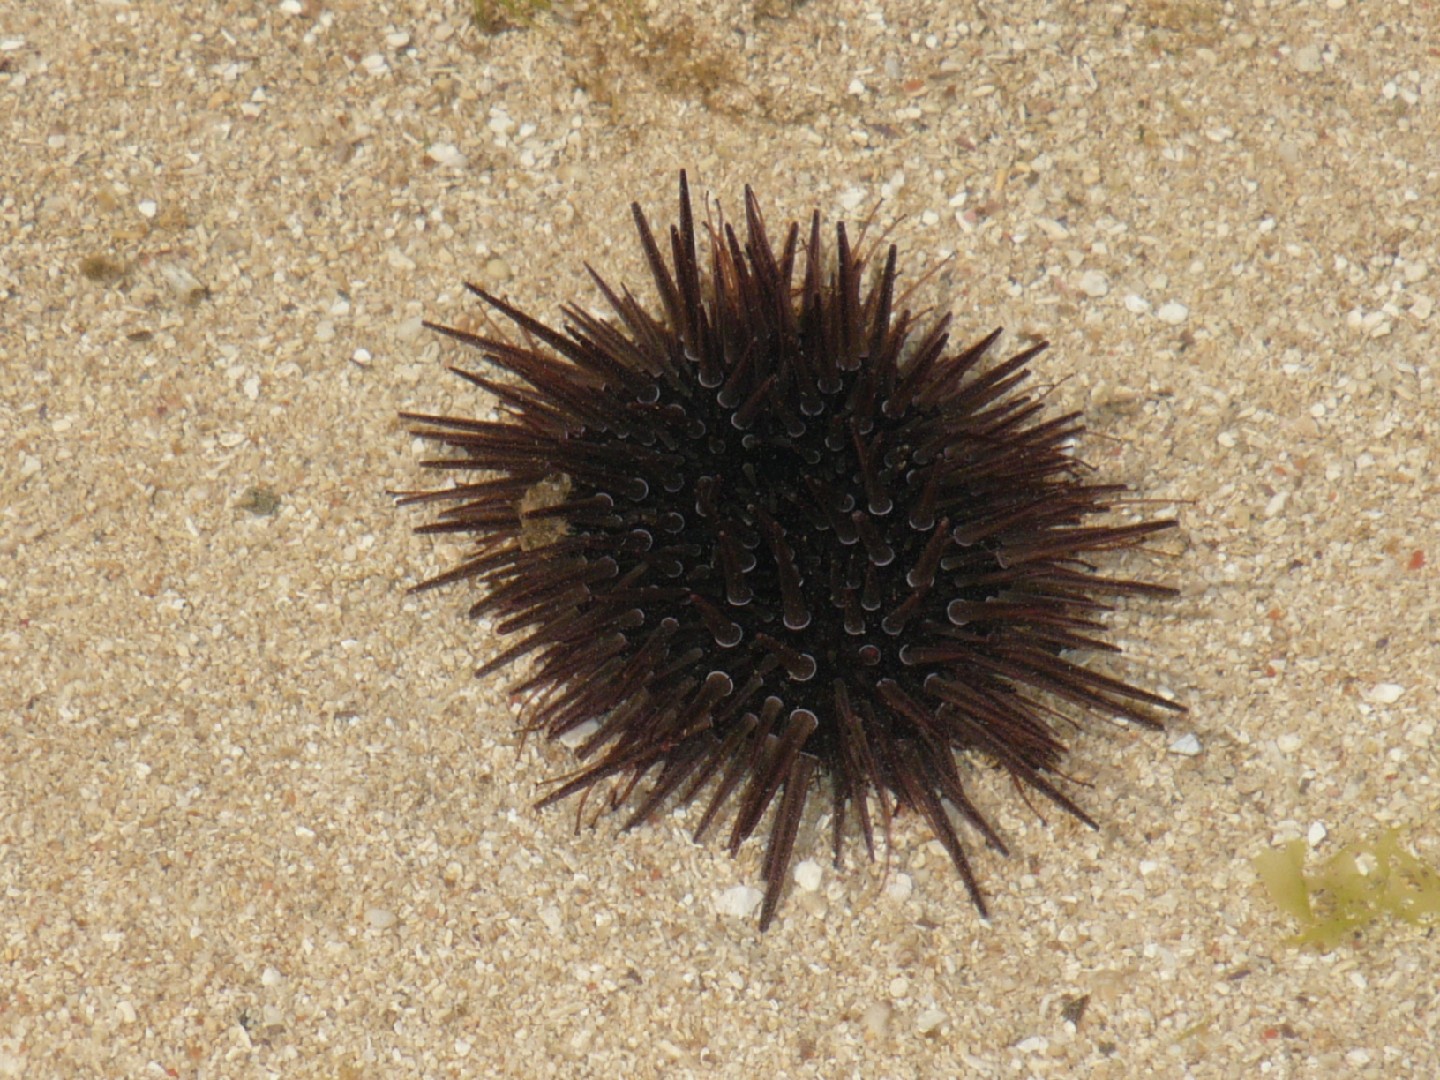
256, 817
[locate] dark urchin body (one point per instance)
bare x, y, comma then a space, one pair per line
771, 534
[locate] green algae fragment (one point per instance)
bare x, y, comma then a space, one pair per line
1282, 872
1351, 890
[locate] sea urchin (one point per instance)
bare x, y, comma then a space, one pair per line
774, 533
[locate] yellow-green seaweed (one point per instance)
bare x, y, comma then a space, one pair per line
1351, 890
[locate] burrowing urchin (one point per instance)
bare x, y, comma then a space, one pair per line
774, 537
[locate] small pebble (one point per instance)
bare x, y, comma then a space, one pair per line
808, 875
1094, 284
181, 281
445, 154
1173, 313
900, 887
497, 270
1186, 745
1386, 693
876, 1019
577, 735
1136, 305
380, 918
739, 901
929, 1021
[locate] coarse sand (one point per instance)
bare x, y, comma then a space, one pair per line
258, 819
